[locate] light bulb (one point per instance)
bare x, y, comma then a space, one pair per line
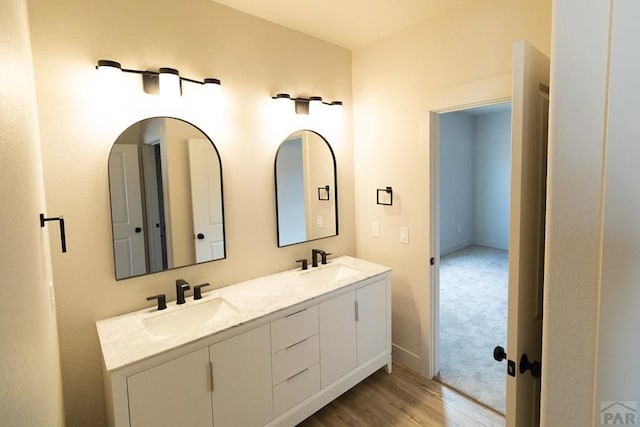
110, 78
169, 79
283, 104
316, 106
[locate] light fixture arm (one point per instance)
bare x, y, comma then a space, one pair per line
302, 104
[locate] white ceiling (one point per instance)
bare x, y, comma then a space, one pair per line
347, 23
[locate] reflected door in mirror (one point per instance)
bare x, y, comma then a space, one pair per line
163, 197
206, 201
126, 211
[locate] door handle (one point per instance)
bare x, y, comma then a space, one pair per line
138, 229
535, 367
200, 236
499, 355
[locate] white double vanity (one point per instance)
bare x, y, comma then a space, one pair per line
269, 351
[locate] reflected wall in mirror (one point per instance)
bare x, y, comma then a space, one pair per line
165, 182
306, 194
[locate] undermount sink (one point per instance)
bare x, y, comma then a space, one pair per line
187, 318
330, 273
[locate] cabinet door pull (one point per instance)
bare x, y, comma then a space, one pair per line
357, 313
211, 371
297, 312
295, 375
295, 344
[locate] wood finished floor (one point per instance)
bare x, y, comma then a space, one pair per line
402, 399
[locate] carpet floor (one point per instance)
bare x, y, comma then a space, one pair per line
473, 320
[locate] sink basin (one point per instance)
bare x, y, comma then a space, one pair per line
188, 318
331, 273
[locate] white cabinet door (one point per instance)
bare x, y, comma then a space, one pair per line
371, 320
175, 393
242, 387
337, 337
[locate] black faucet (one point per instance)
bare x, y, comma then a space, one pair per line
304, 263
314, 257
162, 301
197, 291
181, 286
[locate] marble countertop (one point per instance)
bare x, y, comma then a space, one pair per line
124, 339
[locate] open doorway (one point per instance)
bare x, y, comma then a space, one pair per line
474, 188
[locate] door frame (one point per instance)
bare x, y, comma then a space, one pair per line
478, 93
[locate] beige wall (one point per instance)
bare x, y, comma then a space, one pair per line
80, 120
30, 385
468, 43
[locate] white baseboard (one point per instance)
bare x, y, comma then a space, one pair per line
455, 247
405, 357
496, 244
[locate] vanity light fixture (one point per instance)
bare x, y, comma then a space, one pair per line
166, 81
309, 105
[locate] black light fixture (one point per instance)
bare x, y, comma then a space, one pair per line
166, 81
304, 105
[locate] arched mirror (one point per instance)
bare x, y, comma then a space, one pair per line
165, 181
306, 193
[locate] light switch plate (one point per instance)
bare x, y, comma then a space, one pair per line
319, 222
404, 234
375, 229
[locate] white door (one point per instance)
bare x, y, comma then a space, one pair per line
526, 232
206, 199
126, 211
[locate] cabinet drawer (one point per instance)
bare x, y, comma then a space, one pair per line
295, 358
294, 328
294, 390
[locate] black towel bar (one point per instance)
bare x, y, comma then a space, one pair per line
63, 238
